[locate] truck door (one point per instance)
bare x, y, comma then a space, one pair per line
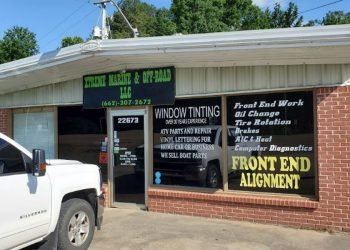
25, 207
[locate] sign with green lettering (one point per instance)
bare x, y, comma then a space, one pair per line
130, 88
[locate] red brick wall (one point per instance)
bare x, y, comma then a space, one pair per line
106, 194
332, 209
5, 116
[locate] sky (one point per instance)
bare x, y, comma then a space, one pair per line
53, 20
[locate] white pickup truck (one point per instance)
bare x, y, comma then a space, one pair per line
54, 204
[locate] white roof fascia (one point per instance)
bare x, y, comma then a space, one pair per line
305, 37
338, 35
41, 61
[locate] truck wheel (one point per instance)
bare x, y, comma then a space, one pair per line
213, 176
76, 225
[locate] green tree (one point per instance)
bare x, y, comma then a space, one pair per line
331, 18
311, 23
69, 41
255, 19
18, 42
149, 20
244, 15
164, 24
336, 17
199, 16
280, 18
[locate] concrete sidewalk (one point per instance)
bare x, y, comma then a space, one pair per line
135, 229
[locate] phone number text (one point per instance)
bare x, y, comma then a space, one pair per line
135, 102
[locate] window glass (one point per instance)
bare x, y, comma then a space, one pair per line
271, 143
35, 130
82, 136
11, 160
187, 138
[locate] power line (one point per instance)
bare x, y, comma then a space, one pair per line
63, 21
321, 6
72, 26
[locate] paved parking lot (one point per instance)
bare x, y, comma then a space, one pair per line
133, 229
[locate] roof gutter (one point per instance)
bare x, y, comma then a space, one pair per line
306, 37
42, 61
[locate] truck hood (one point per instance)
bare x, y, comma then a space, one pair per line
62, 162
71, 169
64, 167
68, 176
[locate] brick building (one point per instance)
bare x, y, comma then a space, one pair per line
248, 125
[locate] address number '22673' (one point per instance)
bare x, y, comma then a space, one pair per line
128, 120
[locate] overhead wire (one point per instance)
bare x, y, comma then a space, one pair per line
98, 19
308, 10
71, 27
321, 6
63, 21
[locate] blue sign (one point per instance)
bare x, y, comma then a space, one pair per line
157, 179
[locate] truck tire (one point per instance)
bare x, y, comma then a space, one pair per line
213, 176
76, 225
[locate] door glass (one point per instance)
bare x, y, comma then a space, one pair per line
128, 151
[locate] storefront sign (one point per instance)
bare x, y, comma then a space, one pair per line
187, 136
130, 88
271, 143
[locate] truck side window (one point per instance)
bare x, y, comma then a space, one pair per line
27, 162
11, 160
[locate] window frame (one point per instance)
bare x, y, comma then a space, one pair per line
223, 160
224, 145
315, 143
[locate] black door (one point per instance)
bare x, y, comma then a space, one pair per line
128, 152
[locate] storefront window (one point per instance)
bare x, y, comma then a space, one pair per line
82, 136
271, 143
187, 143
35, 130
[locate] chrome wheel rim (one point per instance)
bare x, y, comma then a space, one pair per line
78, 228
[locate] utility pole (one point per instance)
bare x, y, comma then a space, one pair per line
104, 28
134, 30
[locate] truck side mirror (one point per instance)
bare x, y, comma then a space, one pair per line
39, 162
